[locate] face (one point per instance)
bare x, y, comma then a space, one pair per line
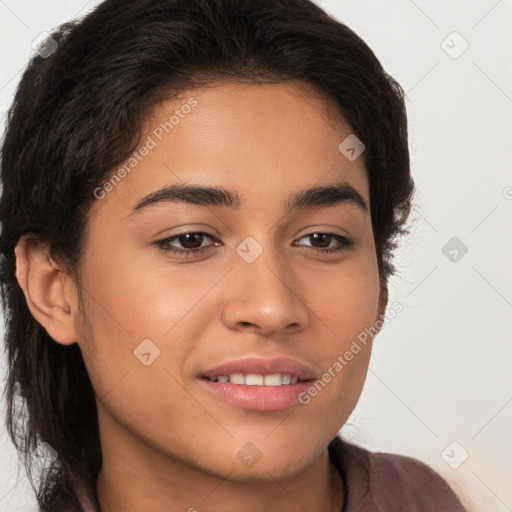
175, 286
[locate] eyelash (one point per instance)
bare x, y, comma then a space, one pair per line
164, 244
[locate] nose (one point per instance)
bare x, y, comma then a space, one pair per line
265, 296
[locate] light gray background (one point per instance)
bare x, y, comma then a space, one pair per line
440, 372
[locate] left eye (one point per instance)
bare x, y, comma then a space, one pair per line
343, 242
192, 243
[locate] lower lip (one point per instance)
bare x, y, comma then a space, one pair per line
258, 398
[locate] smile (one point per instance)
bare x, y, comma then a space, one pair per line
254, 379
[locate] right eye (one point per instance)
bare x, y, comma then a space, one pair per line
186, 240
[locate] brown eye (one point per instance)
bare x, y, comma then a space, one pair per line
191, 243
321, 242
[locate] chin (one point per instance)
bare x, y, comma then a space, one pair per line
265, 469
266, 461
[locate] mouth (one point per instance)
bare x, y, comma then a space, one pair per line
255, 379
259, 384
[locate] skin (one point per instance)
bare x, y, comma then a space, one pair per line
168, 444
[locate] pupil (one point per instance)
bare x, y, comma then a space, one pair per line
323, 236
188, 240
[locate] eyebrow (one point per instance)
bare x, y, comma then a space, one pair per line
321, 196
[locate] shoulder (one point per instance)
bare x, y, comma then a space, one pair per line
417, 486
388, 482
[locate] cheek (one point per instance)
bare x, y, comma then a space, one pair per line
134, 299
148, 315
148, 400
346, 299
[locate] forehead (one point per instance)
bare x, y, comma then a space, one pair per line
265, 141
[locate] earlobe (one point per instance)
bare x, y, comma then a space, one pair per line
47, 290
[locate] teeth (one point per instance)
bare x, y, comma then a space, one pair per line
274, 380
254, 379
237, 378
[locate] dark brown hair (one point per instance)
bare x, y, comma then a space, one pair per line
78, 114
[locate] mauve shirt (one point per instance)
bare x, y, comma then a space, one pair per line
380, 482
386, 482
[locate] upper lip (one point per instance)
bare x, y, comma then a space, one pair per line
256, 365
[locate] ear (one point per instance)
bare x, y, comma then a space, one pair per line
383, 300
49, 292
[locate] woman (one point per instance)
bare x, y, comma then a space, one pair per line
200, 203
